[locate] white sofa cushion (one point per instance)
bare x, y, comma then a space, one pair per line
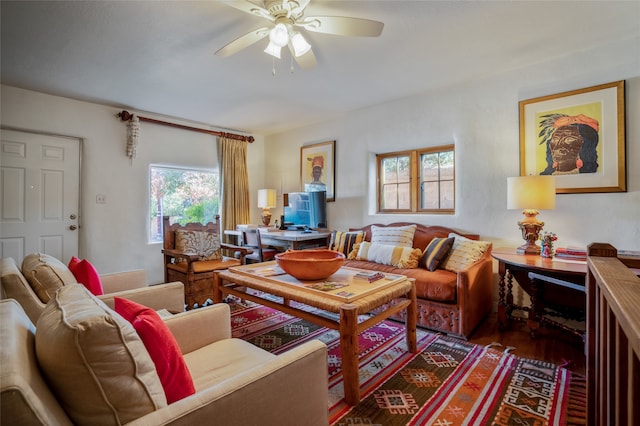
46, 274
385, 254
464, 253
94, 360
393, 235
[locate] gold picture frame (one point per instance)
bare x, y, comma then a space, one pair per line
321, 157
577, 136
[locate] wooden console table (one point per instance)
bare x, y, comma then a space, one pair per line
552, 284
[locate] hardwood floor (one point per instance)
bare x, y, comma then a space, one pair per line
553, 345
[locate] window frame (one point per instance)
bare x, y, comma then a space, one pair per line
213, 171
415, 182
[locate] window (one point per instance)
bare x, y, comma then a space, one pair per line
417, 181
187, 195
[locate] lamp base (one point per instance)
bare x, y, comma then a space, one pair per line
528, 248
530, 228
266, 217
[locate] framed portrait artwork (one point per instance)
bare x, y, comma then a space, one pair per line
577, 136
317, 168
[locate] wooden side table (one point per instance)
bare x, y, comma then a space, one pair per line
552, 284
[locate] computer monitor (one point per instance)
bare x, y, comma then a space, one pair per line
306, 210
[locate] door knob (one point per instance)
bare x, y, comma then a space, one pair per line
73, 217
73, 227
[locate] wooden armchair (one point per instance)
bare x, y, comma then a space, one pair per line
191, 255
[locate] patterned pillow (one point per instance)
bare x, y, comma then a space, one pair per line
204, 244
400, 257
464, 253
344, 241
393, 235
437, 249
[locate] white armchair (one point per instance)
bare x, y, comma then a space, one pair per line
236, 382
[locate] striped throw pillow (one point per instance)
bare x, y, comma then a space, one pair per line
464, 253
437, 250
393, 235
344, 241
400, 257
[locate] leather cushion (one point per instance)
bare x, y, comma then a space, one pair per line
439, 285
95, 361
46, 274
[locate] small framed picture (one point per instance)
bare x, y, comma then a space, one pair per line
577, 136
317, 168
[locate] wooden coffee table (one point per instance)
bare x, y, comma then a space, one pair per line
357, 297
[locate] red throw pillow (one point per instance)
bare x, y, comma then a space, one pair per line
162, 347
86, 274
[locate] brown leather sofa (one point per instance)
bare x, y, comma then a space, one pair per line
448, 302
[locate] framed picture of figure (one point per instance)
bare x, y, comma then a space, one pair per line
317, 168
578, 137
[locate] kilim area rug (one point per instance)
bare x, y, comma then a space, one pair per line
448, 382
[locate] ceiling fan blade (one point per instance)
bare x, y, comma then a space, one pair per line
307, 61
243, 42
248, 7
342, 25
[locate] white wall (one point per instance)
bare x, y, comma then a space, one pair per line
481, 118
113, 236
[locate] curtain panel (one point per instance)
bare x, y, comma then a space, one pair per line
234, 183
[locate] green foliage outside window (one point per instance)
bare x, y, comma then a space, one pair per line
186, 195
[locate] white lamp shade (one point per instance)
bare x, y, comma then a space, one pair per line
266, 198
273, 50
279, 35
300, 45
531, 192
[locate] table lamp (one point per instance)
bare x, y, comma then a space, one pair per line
266, 201
531, 193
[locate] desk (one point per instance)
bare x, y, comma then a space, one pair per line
295, 240
564, 294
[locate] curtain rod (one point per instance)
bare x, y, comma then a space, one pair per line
126, 116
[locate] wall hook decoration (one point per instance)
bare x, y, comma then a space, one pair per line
133, 134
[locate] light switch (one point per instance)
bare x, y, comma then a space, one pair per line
101, 199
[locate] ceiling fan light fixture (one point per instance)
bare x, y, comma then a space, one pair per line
273, 50
279, 35
300, 45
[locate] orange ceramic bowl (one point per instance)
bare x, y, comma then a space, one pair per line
311, 264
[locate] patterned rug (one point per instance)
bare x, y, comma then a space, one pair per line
448, 382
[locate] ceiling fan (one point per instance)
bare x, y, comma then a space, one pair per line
286, 17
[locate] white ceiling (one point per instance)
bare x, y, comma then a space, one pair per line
158, 56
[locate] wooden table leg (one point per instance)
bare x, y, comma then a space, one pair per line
217, 291
349, 353
502, 298
412, 320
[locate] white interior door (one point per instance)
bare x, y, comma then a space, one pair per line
40, 184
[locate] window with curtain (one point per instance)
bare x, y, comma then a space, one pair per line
417, 181
187, 195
